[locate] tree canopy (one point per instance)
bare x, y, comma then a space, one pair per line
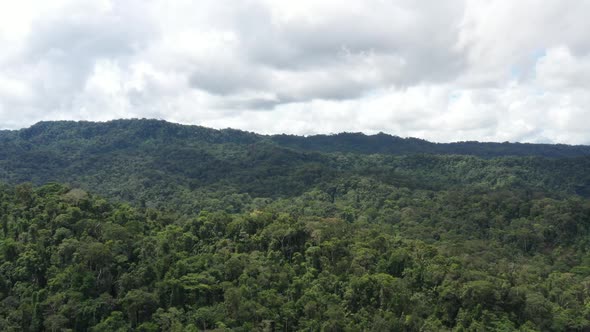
142, 226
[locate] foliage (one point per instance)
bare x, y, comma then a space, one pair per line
409, 259
163, 165
171, 228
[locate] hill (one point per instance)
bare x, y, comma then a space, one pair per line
387, 144
145, 225
133, 131
153, 162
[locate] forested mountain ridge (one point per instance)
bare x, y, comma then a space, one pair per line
142, 129
387, 144
165, 227
154, 162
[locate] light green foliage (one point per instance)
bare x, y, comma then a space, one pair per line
120, 268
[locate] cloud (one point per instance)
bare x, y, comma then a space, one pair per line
560, 69
337, 52
453, 70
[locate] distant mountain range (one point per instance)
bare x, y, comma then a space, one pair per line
152, 160
137, 130
155, 226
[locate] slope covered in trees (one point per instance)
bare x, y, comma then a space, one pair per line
159, 163
383, 143
163, 227
130, 132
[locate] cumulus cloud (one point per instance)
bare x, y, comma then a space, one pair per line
454, 70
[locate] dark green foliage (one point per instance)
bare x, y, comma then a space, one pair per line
204, 230
160, 164
387, 144
407, 259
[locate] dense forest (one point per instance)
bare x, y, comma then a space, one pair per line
144, 225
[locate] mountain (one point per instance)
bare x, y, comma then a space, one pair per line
387, 144
133, 132
154, 162
145, 225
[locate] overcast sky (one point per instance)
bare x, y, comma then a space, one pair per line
483, 70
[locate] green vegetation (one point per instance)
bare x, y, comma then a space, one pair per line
163, 227
383, 143
160, 164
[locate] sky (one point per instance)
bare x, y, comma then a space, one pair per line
487, 70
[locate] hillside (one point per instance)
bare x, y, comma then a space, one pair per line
155, 162
134, 131
387, 144
145, 225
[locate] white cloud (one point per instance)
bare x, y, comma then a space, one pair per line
453, 70
560, 69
